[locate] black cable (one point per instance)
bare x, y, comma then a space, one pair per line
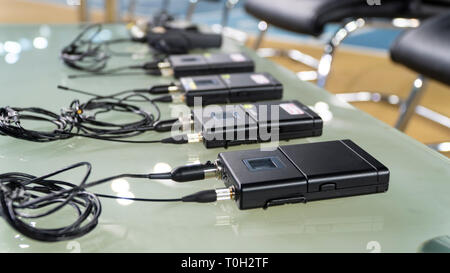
84, 117
24, 197
11, 125
119, 102
83, 54
81, 119
111, 52
86, 54
11, 119
158, 125
153, 90
112, 72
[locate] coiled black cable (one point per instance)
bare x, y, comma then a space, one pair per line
84, 53
82, 119
11, 124
24, 197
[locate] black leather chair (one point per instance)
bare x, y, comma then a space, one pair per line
311, 16
425, 50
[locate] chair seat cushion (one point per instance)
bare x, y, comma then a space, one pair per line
310, 16
426, 49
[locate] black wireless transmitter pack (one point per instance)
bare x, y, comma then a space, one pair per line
253, 178
206, 64
223, 126
230, 88
300, 173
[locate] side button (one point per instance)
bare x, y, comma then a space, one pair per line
328, 187
282, 201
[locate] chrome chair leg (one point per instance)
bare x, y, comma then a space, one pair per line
165, 5
191, 10
407, 108
394, 100
131, 9
292, 54
303, 58
224, 29
327, 58
228, 6
433, 116
442, 147
262, 27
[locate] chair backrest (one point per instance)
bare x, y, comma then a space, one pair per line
428, 8
425, 49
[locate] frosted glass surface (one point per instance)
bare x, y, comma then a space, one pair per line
415, 208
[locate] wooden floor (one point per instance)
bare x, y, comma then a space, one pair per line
353, 71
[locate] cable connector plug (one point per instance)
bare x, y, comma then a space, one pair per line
166, 98
209, 196
178, 98
183, 139
164, 89
165, 68
166, 125
194, 172
150, 66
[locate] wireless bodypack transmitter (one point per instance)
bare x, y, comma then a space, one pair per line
301, 173
231, 88
222, 126
254, 179
206, 64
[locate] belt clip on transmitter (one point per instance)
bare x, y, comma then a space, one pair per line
228, 88
301, 173
206, 64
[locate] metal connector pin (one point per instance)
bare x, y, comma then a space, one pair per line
194, 138
173, 88
210, 173
225, 194
163, 65
187, 124
165, 68
178, 98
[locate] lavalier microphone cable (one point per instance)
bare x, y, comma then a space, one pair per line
136, 95
85, 54
140, 92
11, 119
152, 90
149, 68
27, 197
82, 119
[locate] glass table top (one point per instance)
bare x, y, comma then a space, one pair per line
413, 210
